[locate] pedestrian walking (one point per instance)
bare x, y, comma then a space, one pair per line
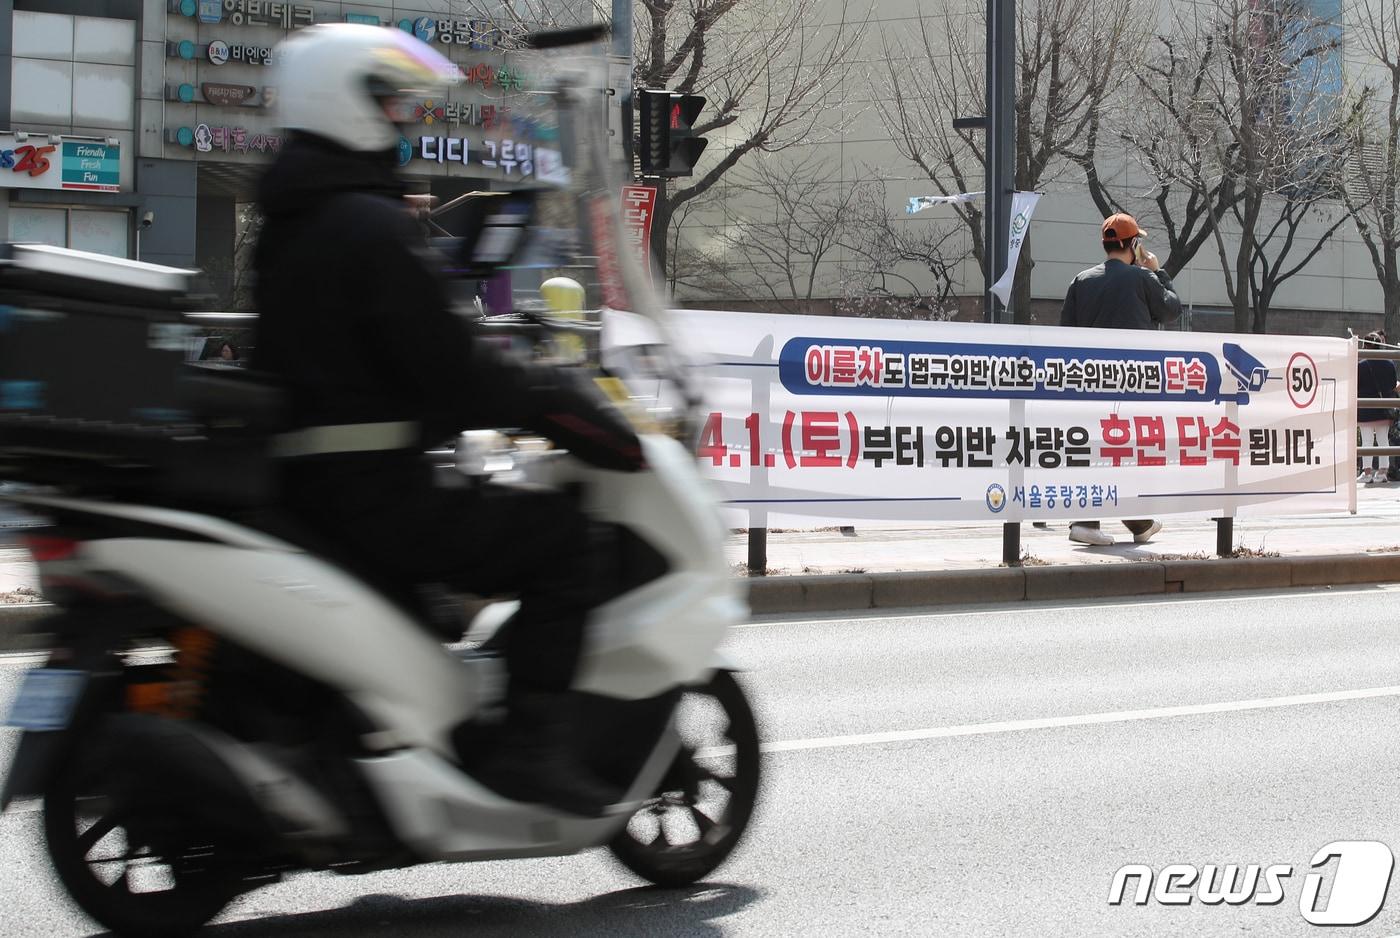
1374, 378
1129, 290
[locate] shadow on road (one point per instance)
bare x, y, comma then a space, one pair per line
643, 911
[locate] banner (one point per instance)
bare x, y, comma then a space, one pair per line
828, 420
1022, 207
918, 203
638, 208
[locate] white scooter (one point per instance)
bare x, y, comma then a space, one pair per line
223, 704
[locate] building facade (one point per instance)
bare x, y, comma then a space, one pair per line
139, 128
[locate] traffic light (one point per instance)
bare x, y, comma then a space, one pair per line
669, 145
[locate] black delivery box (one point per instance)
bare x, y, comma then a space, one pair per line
94, 386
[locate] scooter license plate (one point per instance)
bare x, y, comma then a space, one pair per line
46, 699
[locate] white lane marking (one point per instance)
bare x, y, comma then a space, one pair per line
1001, 609
1088, 719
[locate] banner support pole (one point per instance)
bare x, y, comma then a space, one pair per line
1224, 537
1011, 544
758, 551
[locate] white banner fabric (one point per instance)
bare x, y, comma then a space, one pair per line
814, 419
1022, 208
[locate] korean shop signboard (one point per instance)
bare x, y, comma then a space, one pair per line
35, 163
826, 420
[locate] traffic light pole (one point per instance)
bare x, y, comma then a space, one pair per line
622, 83
1000, 183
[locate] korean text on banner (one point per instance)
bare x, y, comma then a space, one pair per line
638, 208
828, 420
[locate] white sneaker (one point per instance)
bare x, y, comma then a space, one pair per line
1146, 536
1094, 537
1366, 477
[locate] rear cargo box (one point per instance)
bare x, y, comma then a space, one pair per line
94, 388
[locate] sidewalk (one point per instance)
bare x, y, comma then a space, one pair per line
1375, 528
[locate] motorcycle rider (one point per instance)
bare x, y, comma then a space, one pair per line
354, 320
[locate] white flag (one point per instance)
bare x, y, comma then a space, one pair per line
1022, 207
920, 202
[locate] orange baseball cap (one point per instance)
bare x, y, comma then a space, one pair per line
1121, 227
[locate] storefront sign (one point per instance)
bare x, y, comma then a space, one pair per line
638, 206
95, 167
364, 19
229, 95
473, 34
205, 138
34, 163
506, 157
488, 76
829, 420
487, 116
246, 12
219, 52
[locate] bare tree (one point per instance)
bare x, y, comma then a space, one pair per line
900, 270
1371, 192
789, 220
1068, 60
796, 234
1161, 127
766, 67
1312, 200
1261, 115
768, 70
231, 276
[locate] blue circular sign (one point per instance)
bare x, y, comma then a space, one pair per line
188, 7
406, 25
186, 49
425, 28
187, 94
996, 498
405, 151
184, 136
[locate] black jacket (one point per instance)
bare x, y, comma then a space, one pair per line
1115, 295
1375, 377
353, 319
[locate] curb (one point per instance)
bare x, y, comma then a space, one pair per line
818, 593
19, 624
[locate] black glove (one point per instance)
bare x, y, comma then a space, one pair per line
575, 415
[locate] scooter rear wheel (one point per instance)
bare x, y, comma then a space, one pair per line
704, 806
133, 864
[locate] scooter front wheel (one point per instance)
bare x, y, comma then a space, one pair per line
132, 863
706, 801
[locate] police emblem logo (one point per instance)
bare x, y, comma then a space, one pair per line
996, 498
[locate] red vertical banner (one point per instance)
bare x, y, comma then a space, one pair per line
606, 247
638, 207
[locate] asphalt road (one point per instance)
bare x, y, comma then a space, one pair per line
970, 773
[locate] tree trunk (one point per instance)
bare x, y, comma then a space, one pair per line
660, 232
1391, 292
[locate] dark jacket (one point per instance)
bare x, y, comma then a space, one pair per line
354, 320
1375, 377
1115, 295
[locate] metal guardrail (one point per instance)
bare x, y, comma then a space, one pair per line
1382, 354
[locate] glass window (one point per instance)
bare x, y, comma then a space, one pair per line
44, 225
95, 230
99, 232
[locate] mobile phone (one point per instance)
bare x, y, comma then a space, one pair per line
1137, 250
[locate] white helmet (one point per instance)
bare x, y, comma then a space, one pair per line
334, 80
